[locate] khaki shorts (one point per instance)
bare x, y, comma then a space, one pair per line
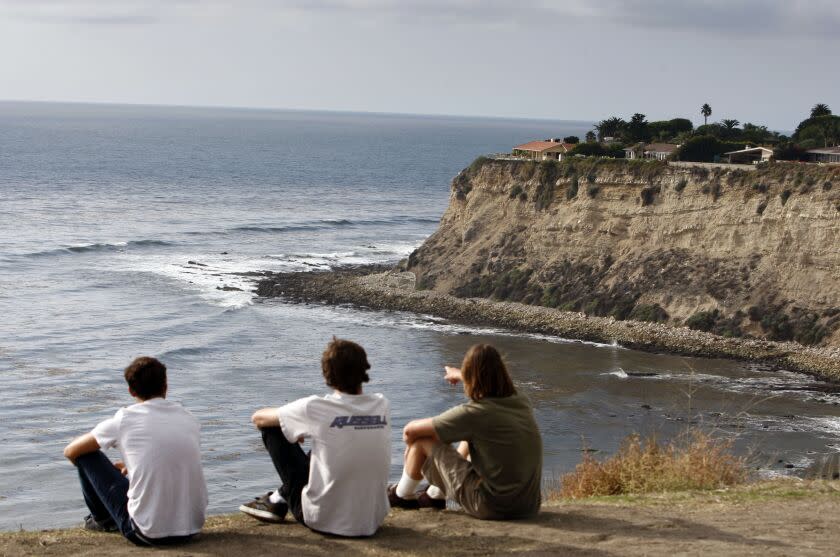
457, 477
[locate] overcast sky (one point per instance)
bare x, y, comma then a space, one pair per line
764, 61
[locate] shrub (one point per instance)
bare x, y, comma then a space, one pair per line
572, 190
592, 191
712, 189
544, 195
785, 195
705, 148
759, 187
802, 326
515, 192
476, 165
648, 195
692, 461
761, 207
715, 322
649, 312
681, 185
826, 186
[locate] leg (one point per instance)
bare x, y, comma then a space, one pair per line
416, 455
447, 469
105, 490
292, 464
404, 494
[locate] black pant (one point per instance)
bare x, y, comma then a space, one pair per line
293, 466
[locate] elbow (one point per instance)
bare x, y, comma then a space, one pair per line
69, 454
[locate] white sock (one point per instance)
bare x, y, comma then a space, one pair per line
435, 492
407, 488
275, 497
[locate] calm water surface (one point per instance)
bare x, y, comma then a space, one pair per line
120, 227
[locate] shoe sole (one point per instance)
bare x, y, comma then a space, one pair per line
264, 516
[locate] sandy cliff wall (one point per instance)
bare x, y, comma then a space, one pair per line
734, 252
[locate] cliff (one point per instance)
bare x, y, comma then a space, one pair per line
734, 252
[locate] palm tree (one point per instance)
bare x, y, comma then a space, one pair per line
706, 111
820, 109
730, 124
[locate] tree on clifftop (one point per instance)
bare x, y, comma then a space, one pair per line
820, 109
706, 111
611, 127
571, 139
590, 137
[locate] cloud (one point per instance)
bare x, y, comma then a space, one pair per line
729, 17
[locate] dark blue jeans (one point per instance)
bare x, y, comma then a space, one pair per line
105, 491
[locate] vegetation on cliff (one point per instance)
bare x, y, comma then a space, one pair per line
692, 461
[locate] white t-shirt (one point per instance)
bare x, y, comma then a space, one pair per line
351, 457
160, 445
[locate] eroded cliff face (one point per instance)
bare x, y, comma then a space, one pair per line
734, 252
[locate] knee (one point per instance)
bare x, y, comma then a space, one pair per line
424, 446
95, 456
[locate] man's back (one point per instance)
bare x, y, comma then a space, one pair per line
350, 462
160, 444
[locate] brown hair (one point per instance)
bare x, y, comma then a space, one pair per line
484, 374
345, 366
146, 377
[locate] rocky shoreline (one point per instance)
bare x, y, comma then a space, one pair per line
383, 288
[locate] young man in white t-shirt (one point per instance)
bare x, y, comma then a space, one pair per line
156, 495
339, 487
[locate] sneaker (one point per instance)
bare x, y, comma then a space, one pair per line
107, 525
398, 502
263, 509
427, 502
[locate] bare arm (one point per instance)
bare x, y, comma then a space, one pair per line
79, 446
266, 417
453, 375
417, 429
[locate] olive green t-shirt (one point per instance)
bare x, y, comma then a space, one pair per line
505, 449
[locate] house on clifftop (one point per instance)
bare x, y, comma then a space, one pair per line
825, 155
655, 151
550, 149
750, 155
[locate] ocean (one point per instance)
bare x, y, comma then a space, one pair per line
130, 230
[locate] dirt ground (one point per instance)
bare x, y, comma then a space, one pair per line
776, 518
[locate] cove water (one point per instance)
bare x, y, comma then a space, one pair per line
132, 230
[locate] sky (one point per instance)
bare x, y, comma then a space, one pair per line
760, 61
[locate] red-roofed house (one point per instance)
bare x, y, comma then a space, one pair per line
550, 149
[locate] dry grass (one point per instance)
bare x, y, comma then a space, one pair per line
693, 461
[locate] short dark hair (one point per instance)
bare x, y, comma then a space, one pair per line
345, 366
146, 377
485, 374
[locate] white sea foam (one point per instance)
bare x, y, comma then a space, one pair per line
222, 279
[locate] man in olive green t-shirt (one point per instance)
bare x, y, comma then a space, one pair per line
497, 469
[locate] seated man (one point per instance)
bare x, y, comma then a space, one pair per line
496, 472
156, 495
339, 487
